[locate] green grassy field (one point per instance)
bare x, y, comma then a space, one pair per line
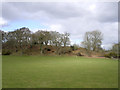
58, 72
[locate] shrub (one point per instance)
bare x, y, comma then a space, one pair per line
64, 50
6, 52
79, 54
107, 56
111, 55
74, 47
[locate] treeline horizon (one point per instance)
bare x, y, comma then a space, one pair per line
46, 37
22, 39
40, 36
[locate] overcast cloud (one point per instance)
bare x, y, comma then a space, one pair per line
75, 18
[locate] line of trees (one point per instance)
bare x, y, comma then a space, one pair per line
23, 38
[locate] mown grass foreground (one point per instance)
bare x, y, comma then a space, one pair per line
58, 72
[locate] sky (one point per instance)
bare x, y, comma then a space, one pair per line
75, 18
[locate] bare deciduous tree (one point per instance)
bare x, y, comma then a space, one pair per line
93, 40
66, 40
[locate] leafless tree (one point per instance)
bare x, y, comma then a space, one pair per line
92, 40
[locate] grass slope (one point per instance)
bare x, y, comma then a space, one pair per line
59, 72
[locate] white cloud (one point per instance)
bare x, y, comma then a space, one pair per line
75, 18
56, 27
3, 21
92, 8
107, 46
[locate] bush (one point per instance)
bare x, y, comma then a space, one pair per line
111, 55
6, 52
64, 50
79, 54
74, 47
107, 56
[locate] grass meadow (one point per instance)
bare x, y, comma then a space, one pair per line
58, 72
